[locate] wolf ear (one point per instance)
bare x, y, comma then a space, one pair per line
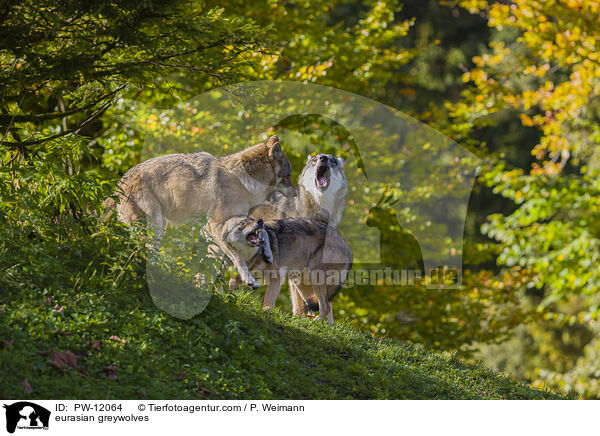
308, 158
341, 160
274, 147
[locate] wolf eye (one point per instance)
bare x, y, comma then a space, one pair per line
333, 161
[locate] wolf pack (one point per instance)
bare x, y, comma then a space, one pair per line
255, 216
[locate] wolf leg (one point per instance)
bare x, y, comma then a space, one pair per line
158, 226
155, 221
214, 231
330, 313
156, 230
267, 254
239, 263
213, 251
298, 306
308, 298
274, 281
325, 309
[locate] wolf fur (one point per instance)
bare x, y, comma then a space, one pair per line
178, 188
321, 194
313, 257
313, 200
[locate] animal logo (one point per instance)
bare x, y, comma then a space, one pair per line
26, 415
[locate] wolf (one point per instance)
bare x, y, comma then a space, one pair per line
178, 188
313, 257
321, 194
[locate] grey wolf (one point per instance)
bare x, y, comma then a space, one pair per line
179, 188
321, 194
313, 257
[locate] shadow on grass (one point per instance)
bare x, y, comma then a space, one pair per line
231, 350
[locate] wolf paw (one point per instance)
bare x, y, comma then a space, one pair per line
267, 255
253, 284
268, 258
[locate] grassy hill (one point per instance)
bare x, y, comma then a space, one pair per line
119, 346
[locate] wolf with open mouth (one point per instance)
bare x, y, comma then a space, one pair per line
304, 251
244, 228
178, 188
321, 194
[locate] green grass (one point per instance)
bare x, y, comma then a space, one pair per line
232, 350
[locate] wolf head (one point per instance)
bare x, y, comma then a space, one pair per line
245, 234
323, 172
268, 167
324, 180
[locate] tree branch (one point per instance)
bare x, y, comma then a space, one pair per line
95, 114
53, 115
